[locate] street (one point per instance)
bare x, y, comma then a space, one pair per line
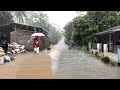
75, 64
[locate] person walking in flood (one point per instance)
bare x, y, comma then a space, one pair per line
36, 45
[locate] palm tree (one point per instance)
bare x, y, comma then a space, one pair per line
20, 16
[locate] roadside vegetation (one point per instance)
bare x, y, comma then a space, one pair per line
81, 28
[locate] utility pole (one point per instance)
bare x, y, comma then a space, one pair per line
48, 37
35, 30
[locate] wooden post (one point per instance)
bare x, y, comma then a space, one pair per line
89, 46
110, 38
35, 30
110, 43
15, 33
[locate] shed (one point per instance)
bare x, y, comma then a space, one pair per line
21, 34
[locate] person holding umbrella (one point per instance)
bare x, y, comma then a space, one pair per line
36, 45
36, 42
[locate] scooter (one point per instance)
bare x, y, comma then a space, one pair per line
71, 47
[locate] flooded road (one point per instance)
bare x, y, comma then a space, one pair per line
75, 64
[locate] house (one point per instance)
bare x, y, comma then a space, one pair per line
21, 34
107, 42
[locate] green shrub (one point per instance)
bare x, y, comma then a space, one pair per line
84, 48
66, 41
105, 59
112, 63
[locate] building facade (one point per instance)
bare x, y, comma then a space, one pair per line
21, 34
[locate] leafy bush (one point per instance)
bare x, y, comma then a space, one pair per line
112, 63
66, 41
84, 48
105, 59
82, 28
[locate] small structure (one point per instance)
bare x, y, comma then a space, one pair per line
21, 34
107, 42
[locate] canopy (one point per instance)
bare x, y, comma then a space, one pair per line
37, 34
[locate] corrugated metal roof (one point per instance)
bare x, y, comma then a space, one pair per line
24, 25
110, 30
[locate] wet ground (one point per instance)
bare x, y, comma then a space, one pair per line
27, 66
75, 64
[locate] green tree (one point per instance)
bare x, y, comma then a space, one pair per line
68, 32
54, 35
92, 22
101, 20
37, 18
20, 16
80, 33
5, 17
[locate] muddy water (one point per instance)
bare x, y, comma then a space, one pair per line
74, 64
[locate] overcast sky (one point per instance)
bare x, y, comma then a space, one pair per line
61, 17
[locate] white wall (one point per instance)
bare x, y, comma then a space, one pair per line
99, 47
105, 47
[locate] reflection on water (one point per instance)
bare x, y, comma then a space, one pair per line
55, 54
74, 64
